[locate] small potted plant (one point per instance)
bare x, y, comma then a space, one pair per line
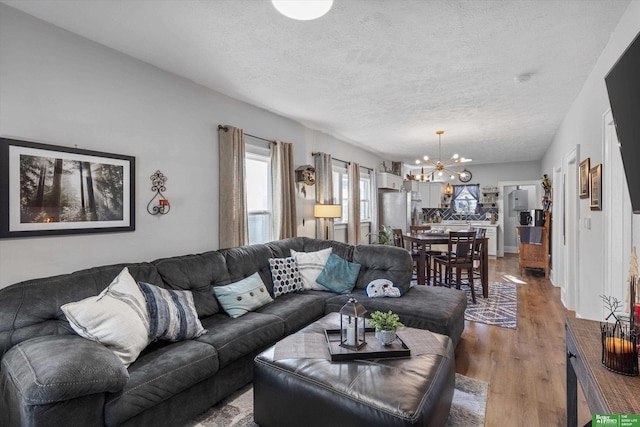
386, 325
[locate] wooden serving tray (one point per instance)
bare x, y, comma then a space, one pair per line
372, 350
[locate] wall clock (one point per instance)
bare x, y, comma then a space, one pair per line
465, 176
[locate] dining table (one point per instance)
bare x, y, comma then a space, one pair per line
425, 240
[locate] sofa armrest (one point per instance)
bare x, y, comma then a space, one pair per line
62, 367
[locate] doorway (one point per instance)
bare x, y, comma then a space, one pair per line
572, 229
506, 222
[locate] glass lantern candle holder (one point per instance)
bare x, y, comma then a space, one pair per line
352, 325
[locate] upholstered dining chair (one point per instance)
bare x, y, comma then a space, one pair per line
459, 258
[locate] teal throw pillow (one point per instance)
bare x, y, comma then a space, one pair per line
339, 275
243, 296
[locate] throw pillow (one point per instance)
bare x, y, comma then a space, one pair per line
285, 275
117, 318
339, 275
172, 314
310, 265
382, 288
243, 296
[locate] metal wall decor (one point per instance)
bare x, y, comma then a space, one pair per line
158, 205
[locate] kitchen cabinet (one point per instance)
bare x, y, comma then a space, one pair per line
411, 185
431, 193
389, 181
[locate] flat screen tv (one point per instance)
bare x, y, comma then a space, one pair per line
623, 86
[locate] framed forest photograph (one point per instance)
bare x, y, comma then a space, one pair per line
52, 190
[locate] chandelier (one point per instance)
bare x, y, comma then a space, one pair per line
440, 167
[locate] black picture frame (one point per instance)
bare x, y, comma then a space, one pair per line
50, 190
584, 176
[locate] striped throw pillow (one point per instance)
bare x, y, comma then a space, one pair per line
172, 314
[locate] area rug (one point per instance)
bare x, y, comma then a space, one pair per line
467, 409
500, 309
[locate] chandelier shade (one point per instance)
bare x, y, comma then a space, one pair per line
440, 167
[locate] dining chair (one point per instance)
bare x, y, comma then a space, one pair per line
459, 257
397, 237
429, 251
477, 251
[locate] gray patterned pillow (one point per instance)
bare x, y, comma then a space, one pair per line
172, 314
285, 275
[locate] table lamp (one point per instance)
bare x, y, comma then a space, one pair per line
327, 211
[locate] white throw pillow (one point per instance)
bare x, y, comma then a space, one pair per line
117, 318
310, 265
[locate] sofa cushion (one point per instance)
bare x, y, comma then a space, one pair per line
437, 309
296, 310
285, 275
45, 370
339, 275
32, 308
343, 250
172, 314
243, 296
245, 260
310, 265
117, 318
195, 273
159, 373
282, 248
234, 338
383, 262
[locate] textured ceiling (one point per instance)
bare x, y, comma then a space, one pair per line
381, 74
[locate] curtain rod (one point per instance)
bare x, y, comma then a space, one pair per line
226, 129
343, 161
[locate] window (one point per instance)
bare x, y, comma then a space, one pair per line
258, 178
341, 192
465, 198
365, 198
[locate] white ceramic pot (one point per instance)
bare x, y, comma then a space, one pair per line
386, 337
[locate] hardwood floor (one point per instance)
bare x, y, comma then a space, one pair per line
525, 368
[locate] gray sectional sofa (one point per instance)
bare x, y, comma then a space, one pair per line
50, 376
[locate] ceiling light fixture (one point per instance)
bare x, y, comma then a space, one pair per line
303, 10
441, 167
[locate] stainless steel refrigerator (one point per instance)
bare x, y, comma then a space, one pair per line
396, 209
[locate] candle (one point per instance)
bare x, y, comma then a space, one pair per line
164, 202
351, 334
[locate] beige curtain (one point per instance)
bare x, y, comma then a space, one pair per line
284, 190
353, 230
324, 191
233, 221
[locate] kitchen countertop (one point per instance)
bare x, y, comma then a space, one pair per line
450, 222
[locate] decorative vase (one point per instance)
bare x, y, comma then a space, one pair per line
386, 337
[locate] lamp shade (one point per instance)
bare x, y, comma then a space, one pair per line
327, 211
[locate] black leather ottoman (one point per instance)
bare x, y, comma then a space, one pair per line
294, 387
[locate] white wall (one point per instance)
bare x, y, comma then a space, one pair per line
62, 89
583, 125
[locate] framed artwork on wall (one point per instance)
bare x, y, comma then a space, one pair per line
53, 190
583, 179
596, 187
